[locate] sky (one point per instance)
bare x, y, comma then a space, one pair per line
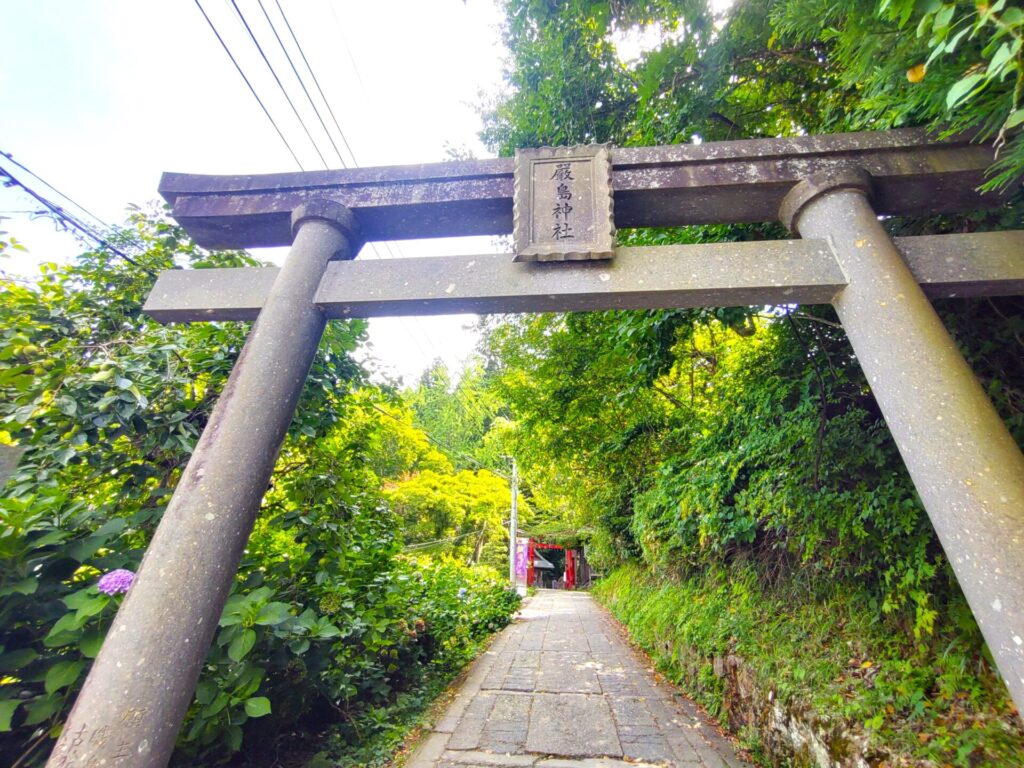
100, 97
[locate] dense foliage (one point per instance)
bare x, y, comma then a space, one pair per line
466, 511
757, 656
720, 443
772, 68
464, 417
330, 624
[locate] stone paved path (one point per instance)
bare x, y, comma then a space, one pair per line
561, 688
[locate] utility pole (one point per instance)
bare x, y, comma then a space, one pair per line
513, 524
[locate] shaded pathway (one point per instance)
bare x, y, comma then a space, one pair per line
561, 688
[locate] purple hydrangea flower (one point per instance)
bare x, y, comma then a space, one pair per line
462, 593
116, 582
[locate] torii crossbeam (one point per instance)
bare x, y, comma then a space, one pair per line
830, 189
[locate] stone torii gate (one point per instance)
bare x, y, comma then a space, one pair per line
828, 189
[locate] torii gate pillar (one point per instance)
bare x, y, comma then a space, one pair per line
963, 460
130, 710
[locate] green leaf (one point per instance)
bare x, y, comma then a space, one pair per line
943, 16
92, 607
923, 25
961, 88
111, 528
231, 619
1015, 119
216, 705
205, 692
42, 709
248, 683
1000, 57
76, 600
24, 587
62, 674
272, 614
257, 706
325, 630
241, 645
90, 643
68, 623
233, 736
15, 660
1011, 17
7, 708
53, 537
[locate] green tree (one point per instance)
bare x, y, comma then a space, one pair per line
462, 514
457, 415
760, 69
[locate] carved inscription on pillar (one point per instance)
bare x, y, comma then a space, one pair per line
563, 204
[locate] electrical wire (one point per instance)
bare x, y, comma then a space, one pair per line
323, 125
374, 247
280, 85
251, 89
302, 83
78, 205
316, 82
346, 46
358, 76
410, 330
426, 544
64, 217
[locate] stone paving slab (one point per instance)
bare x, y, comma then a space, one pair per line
572, 725
488, 760
561, 688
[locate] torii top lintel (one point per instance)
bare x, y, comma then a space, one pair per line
715, 182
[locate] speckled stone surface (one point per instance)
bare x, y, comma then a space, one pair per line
561, 688
965, 464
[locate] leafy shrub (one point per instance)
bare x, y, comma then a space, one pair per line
107, 406
376, 628
461, 606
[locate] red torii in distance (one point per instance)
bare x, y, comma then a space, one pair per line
570, 562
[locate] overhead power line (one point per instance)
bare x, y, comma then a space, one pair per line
78, 205
359, 77
316, 81
302, 83
63, 216
410, 330
251, 89
427, 544
277, 79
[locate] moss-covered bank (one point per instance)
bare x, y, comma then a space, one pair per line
820, 680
